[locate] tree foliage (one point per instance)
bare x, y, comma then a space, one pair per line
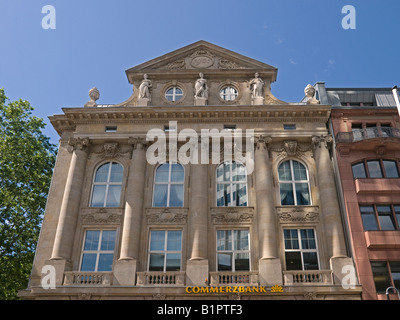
26, 162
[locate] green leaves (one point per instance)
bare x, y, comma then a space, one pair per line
26, 162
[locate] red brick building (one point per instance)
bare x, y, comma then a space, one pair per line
366, 129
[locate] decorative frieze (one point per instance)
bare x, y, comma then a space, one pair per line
166, 215
101, 216
232, 215
295, 214
291, 149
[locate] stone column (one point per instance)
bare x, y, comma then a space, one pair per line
270, 270
329, 206
125, 267
197, 265
69, 212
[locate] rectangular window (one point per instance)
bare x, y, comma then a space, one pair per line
289, 127
233, 250
111, 129
165, 252
381, 276
374, 169
98, 250
301, 251
359, 170
380, 217
230, 127
386, 219
368, 218
391, 170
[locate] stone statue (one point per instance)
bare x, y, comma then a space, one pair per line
201, 88
94, 95
256, 86
144, 88
309, 91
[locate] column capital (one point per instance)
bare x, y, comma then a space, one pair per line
262, 142
138, 142
318, 141
79, 143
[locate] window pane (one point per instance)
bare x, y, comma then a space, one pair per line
359, 170
224, 261
174, 240
178, 91
176, 195
177, 173
395, 270
92, 240
162, 173
227, 173
170, 91
310, 261
224, 240
108, 240
102, 173
242, 261
114, 196
88, 262
160, 195
239, 195
173, 262
385, 216
286, 192
156, 262
368, 218
157, 238
381, 276
105, 262
291, 239
220, 195
239, 172
299, 171
293, 260
390, 169
116, 172
397, 212
224, 195
284, 171
374, 169
220, 173
98, 196
307, 239
241, 239
302, 194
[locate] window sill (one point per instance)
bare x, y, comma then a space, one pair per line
381, 185
384, 239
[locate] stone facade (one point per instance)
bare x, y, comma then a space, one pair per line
233, 93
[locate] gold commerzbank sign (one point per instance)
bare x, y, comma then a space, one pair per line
233, 289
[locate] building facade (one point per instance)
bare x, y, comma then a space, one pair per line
365, 125
201, 182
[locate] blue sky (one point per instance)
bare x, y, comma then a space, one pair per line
96, 41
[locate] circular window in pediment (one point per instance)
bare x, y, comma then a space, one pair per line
174, 94
228, 93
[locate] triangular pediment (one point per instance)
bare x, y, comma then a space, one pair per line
202, 56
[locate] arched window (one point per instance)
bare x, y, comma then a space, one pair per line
231, 185
107, 185
294, 184
168, 185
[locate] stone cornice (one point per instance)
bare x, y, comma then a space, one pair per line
190, 114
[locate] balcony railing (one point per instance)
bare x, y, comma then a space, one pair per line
228, 278
87, 278
160, 278
307, 277
368, 133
